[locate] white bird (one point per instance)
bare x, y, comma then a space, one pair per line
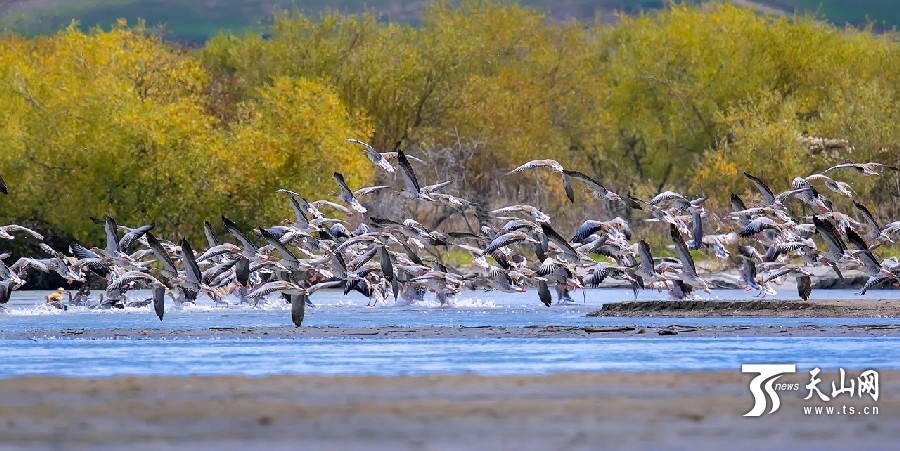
7, 230
374, 156
346, 195
867, 169
555, 166
538, 215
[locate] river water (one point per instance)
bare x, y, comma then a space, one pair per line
44, 354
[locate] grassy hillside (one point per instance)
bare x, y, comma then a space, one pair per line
197, 20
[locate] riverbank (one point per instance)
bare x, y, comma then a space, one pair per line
681, 410
822, 308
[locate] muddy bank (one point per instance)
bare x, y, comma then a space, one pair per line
833, 308
697, 411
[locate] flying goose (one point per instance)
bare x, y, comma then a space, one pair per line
553, 165
115, 246
768, 197
830, 183
193, 277
538, 215
600, 191
346, 194
688, 270
120, 282
249, 249
590, 227
374, 156
310, 210
7, 230
411, 187
867, 169
504, 240
551, 236
286, 287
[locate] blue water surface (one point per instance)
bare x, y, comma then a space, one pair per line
44, 354
470, 309
491, 356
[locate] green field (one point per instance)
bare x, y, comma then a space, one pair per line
190, 20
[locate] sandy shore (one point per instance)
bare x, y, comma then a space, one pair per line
563, 411
831, 308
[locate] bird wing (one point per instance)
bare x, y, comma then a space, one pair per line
567, 186
276, 243
859, 244
409, 176
696, 230
587, 229
311, 210
191, 269
210, 235
112, 239
387, 268
841, 166
867, 216
272, 287
736, 203
53, 253
299, 213
665, 196
748, 273
435, 187
504, 240
781, 197
161, 255
681, 250
24, 262
647, 264
768, 196
128, 277
544, 293
345, 190
595, 185
874, 281
557, 239
134, 235
236, 232
553, 164
83, 252
320, 285
369, 190
331, 204
393, 156
374, 156
830, 235
757, 225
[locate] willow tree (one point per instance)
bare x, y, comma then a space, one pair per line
117, 122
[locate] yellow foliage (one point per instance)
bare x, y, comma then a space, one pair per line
685, 99
117, 122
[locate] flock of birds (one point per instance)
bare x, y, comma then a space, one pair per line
515, 247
